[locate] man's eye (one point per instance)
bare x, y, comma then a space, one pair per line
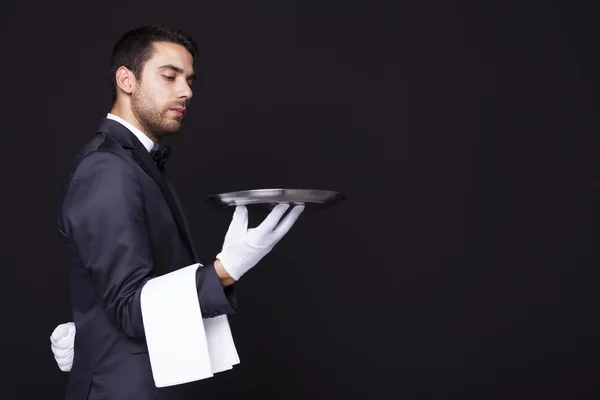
171, 78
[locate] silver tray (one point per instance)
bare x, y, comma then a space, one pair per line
272, 197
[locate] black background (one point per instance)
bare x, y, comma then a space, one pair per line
464, 134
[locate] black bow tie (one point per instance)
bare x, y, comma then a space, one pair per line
161, 156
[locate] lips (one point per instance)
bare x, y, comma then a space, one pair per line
179, 111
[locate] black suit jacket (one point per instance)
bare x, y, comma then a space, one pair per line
122, 225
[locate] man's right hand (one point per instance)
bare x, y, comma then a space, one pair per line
243, 248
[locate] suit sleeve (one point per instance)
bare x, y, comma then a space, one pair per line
213, 297
104, 215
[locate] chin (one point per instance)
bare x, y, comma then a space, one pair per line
172, 127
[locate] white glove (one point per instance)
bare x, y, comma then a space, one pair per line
243, 248
62, 344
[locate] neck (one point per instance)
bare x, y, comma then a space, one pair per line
126, 114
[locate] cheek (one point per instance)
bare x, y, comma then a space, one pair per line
160, 98
154, 102
161, 90
154, 93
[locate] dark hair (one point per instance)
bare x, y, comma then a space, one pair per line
134, 48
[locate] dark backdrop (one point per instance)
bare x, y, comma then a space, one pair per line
463, 133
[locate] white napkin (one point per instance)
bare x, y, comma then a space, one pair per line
183, 347
62, 342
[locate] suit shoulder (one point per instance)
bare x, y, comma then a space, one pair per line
101, 154
101, 151
101, 147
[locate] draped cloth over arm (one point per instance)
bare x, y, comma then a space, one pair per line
183, 347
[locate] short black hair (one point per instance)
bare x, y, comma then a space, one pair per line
134, 48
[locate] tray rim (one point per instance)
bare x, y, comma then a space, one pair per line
217, 199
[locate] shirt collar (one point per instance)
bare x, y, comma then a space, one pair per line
146, 141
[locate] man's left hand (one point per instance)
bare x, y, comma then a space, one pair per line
62, 344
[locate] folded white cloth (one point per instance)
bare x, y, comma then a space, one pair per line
183, 347
62, 343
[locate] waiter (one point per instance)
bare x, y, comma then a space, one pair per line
123, 225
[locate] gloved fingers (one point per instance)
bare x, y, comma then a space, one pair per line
62, 330
65, 364
64, 361
239, 221
272, 219
59, 333
289, 221
64, 341
62, 353
65, 344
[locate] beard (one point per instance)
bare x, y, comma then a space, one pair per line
152, 117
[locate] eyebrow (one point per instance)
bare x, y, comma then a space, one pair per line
191, 77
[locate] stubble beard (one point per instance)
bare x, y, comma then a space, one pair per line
152, 118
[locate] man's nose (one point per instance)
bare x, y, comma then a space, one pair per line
185, 91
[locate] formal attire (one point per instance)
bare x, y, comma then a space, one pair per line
122, 225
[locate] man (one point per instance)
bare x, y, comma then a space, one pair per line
123, 225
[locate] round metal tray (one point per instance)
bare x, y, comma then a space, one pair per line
272, 197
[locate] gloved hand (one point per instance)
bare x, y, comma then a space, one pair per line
62, 344
243, 248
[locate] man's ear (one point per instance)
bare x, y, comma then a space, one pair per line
125, 79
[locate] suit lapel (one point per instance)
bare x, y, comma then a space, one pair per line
128, 140
185, 225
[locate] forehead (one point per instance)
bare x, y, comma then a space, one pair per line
171, 53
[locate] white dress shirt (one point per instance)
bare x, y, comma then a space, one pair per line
146, 141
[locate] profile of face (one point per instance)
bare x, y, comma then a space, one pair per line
160, 98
